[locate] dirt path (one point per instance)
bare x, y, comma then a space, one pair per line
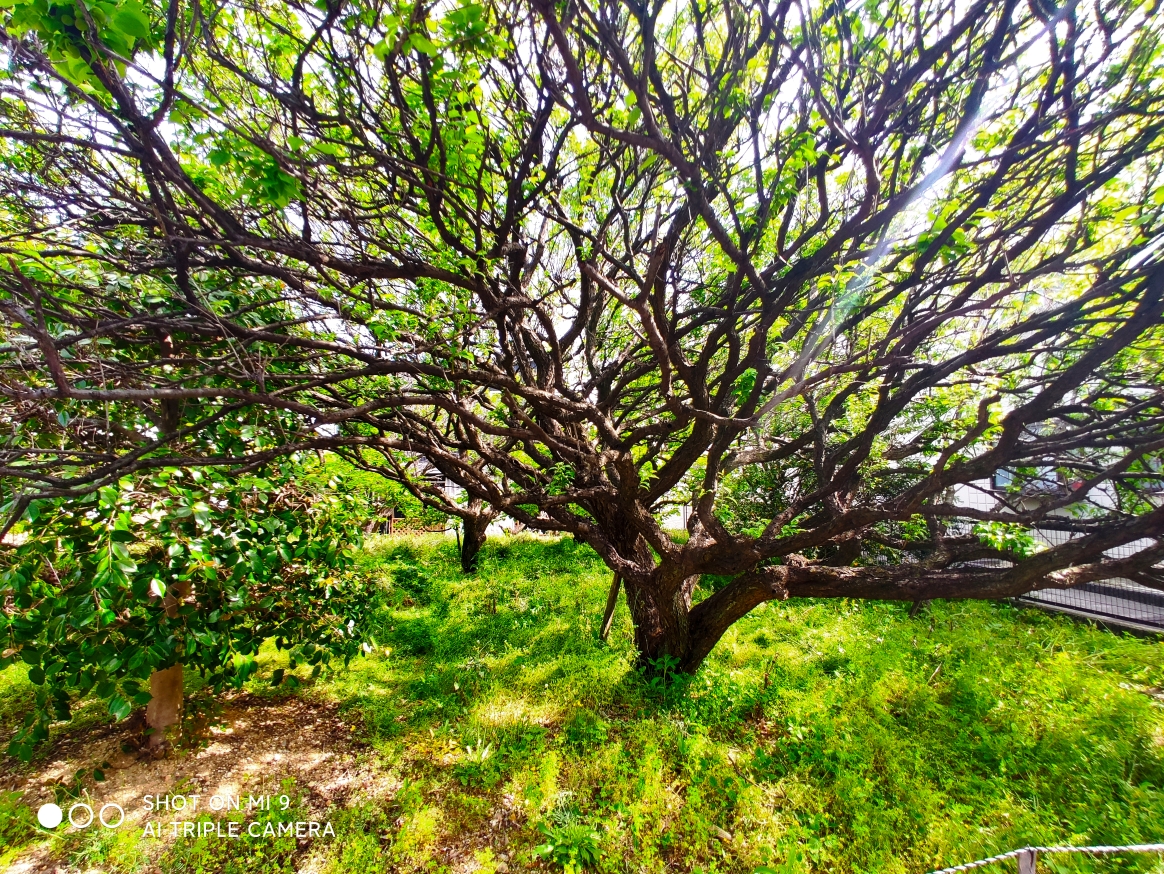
253, 745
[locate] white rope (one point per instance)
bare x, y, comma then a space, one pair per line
1094, 851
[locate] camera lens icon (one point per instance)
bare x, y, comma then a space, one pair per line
81, 815
50, 815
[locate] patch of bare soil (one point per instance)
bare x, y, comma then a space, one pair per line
251, 746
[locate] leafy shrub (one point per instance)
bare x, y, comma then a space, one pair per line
239, 560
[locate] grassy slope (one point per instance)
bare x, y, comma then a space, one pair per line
820, 735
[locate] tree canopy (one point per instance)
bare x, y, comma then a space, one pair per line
817, 271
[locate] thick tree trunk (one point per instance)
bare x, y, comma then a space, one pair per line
473, 537
717, 613
659, 604
663, 634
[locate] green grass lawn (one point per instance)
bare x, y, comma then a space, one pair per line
820, 736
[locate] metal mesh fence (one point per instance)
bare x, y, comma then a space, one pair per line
1114, 602
1117, 602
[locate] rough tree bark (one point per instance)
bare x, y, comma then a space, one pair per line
473, 534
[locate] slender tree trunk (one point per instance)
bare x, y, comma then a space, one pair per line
611, 603
164, 712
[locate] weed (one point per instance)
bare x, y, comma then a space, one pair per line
479, 766
570, 843
572, 847
17, 825
585, 730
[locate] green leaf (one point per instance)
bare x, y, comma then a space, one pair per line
423, 44
132, 22
120, 708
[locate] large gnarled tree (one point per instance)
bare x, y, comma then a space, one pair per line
593, 259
